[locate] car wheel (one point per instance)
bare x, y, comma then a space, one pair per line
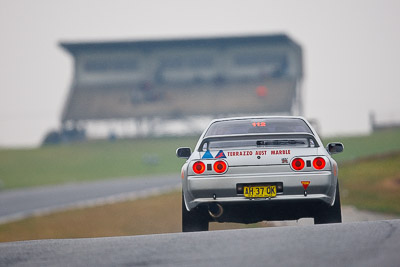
331, 214
194, 220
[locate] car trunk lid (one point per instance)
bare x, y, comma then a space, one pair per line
259, 156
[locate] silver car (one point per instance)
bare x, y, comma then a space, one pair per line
252, 169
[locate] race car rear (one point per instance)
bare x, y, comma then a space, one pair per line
250, 177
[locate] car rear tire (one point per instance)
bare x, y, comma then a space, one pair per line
331, 214
194, 220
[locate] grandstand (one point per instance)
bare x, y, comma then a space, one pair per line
177, 78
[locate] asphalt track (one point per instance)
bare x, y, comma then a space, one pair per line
349, 244
22, 203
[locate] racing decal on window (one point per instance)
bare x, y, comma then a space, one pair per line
259, 124
280, 152
207, 155
220, 155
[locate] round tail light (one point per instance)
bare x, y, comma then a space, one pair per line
220, 166
298, 164
199, 167
319, 163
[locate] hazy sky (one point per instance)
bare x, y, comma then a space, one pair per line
351, 52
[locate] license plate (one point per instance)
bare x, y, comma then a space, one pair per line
259, 191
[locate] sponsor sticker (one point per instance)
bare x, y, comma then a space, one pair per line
220, 155
240, 153
280, 152
207, 155
244, 153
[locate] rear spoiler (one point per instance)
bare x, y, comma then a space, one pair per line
234, 137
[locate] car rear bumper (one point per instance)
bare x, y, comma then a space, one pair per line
201, 190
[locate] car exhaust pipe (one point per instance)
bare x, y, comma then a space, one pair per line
215, 210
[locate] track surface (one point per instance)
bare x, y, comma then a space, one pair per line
348, 244
22, 203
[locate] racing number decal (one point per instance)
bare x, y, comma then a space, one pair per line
259, 124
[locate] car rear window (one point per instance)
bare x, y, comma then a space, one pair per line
261, 126
257, 143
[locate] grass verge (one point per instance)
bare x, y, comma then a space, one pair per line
372, 183
377, 143
90, 161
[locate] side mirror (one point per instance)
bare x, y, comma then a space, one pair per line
183, 152
334, 148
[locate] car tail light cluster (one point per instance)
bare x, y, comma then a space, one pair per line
219, 166
318, 163
199, 167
